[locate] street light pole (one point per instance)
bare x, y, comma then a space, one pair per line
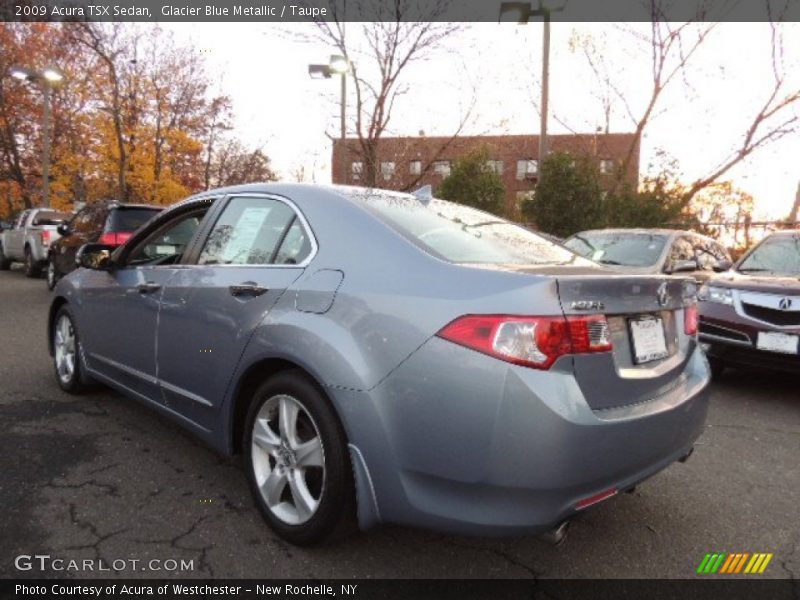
46, 147
545, 85
337, 65
46, 79
523, 12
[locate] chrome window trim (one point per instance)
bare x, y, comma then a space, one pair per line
298, 213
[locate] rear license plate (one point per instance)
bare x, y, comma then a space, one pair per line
649, 342
777, 342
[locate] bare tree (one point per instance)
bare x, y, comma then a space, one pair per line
672, 47
400, 33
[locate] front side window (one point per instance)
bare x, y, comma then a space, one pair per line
619, 248
248, 232
166, 245
776, 255
460, 234
682, 250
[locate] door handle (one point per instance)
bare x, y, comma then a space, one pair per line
148, 288
247, 289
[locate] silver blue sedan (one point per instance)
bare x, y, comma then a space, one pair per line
399, 358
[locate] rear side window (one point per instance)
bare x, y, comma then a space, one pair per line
460, 234
129, 219
50, 217
249, 232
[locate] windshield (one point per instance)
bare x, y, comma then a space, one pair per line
619, 248
130, 219
50, 217
460, 234
776, 255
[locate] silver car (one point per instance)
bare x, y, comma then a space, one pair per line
416, 361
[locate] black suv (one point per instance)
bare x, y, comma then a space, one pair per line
110, 223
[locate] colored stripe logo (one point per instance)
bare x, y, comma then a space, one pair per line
734, 563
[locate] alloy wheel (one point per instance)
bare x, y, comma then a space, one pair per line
65, 346
288, 459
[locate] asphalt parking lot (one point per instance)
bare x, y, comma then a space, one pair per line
103, 477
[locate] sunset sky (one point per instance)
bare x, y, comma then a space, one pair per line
700, 118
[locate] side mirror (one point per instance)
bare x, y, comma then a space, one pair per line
63, 229
683, 266
94, 256
723, 265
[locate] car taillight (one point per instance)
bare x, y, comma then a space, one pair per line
45, 237
690, 319
529, 341
115, 238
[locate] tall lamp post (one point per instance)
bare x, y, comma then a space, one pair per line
46, 79
524, 11
337, 65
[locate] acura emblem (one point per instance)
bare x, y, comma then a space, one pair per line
785, 303
661, 295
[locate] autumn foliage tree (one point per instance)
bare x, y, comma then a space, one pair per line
135, 118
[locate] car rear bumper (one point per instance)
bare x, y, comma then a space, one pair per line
456, 441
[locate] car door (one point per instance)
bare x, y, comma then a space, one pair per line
123, 303
67, 246
257, 246
15, 239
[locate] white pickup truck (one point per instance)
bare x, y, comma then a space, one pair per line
29, 240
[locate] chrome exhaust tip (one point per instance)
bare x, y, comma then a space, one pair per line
557, 534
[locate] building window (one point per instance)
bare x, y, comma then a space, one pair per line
415, 167
527, 169
356, 169
387, 170
495, 165
442, 167
522, 197
606, 165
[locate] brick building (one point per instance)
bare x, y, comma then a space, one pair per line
406, 163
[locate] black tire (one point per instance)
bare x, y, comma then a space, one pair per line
717, 367
336, 506
5, 263
52, 273
32, 268
78, 382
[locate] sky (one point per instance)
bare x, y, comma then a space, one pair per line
496, 70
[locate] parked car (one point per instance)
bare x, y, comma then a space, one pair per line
751, 316
110, 223
34, 230
653, 251
433, 364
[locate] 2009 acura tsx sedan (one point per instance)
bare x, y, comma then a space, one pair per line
415, 360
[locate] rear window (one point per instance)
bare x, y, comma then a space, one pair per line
130, 219
50, 217
460, 234
619, 248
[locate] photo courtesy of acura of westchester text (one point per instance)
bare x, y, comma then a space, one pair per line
350, 292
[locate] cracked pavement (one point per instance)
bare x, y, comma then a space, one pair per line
103, 477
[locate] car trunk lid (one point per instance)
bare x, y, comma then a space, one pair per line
646, 326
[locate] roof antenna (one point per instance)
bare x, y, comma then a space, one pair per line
424, 194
